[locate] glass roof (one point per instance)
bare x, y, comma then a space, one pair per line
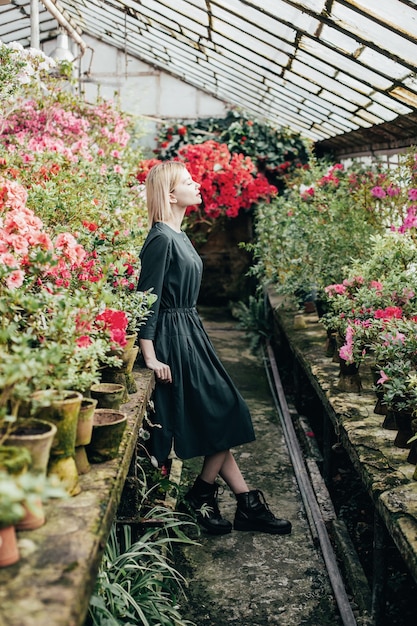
321, 67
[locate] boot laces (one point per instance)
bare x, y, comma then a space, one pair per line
264, 503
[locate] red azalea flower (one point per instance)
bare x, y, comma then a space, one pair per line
84, 341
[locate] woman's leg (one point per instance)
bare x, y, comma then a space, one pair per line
224, 464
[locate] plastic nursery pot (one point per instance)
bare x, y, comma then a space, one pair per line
108, 395
108, 428
36, 436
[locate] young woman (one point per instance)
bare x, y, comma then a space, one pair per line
197, 406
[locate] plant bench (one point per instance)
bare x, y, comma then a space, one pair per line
53, 581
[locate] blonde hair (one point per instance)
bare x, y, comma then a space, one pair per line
160, 182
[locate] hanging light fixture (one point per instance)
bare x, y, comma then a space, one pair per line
62, 51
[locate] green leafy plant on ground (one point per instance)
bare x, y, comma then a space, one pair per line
138, 582
254, 319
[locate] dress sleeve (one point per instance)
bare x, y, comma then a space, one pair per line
154, 258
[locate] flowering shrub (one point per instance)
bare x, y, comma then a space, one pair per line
396, 357
229, 182
275, 152
306, 236
71, 226
376, 313
376, 292
20, 66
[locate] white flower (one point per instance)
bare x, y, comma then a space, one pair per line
15, 45
303, 188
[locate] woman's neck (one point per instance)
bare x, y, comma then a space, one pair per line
176, 220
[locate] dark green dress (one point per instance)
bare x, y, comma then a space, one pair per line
201, 412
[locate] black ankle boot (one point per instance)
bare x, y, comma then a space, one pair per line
202, 499
252, 513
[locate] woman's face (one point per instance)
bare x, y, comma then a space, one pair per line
186, 192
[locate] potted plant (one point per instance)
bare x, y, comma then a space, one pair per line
395, 354
21, 498
12, 497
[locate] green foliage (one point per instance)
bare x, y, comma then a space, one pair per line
254, 318
309, 234
137, 582
25, 490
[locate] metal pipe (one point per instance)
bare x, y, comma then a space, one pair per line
308, 495
379, 569
34, 24
62, 20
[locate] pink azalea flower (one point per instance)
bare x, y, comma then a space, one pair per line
393, 191
71, 249
16, 194
378, 192
19, 244
9, 260
15, 279
383, 378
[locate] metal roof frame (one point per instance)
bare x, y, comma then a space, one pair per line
324, 68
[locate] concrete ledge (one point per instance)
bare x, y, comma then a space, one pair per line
52, 583
382, 467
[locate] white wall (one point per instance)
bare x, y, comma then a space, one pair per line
141, 89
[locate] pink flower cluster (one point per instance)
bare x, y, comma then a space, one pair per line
34, 128
23, 237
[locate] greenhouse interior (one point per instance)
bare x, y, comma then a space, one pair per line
208, 243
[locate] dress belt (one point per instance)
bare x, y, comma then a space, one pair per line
178, 308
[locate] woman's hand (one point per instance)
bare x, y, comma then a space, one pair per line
162, 370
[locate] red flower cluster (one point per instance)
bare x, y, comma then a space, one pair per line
144, 167
115, 323
229, 182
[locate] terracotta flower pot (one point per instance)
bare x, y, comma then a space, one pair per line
108, 395
62, 410
36, 436
9, 552
32, 519
85, 421
84, 433
108, 428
